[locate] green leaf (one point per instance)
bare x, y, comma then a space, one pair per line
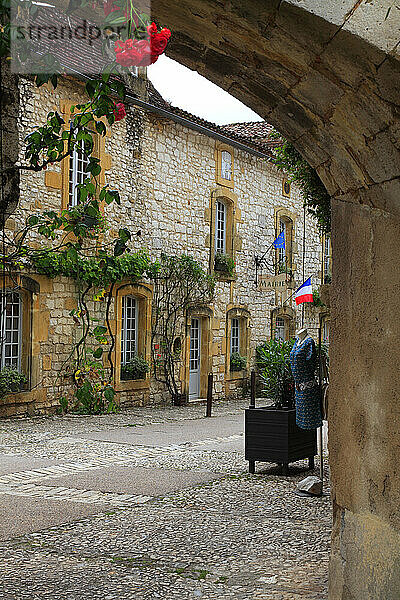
98, 353
119, 248
72, 253
124, 235
33, 220
109, 394
100, 330
101, 128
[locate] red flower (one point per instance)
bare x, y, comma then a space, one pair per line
156, 346
142, 53
119, 111
159, 41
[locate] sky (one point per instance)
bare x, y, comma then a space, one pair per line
195, 94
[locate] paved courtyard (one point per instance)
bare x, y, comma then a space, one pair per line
153, 503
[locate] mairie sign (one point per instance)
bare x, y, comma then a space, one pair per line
268, 283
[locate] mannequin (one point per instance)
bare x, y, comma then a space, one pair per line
303, 361
302, 334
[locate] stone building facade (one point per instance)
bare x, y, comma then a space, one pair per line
183, 191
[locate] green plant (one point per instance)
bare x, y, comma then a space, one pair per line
272, 361
93, 393
238, 362
224, 263
327, 278
312, 190
317, 302
135, 368
11, 381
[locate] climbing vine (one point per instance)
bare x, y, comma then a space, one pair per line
180, 285
312, 190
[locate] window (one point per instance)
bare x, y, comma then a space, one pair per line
220, 228
282, 323
284, 256
128, 329
325, 332
133, 336
282, 251
280, 328
286, 188
77, 173
235, 336
226, 165
11, 326
237, 341
326, 258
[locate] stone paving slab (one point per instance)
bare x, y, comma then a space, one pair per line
171, 433
28, 514
13, 464
135, 480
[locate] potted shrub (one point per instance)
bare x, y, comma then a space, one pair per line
271, 433
137, 368
238, 362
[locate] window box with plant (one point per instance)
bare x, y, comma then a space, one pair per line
224, 264
11, 381
238, 362
137, 368
271, 433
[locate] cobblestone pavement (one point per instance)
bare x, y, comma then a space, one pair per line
231, 536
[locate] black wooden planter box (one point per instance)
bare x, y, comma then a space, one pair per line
272, 436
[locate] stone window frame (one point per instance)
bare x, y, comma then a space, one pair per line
143, 293
60, 179
243, 315
289, 317
205, 315
232, 240
219, 149
282, 214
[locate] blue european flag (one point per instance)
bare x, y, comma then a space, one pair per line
280, 240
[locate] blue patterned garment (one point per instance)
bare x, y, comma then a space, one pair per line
303, 360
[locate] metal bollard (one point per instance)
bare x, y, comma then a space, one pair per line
209, 394
253, 390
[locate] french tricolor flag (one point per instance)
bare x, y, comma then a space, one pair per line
304, 293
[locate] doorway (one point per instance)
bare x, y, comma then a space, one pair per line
194, 359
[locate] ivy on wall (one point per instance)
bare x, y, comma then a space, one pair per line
313, 191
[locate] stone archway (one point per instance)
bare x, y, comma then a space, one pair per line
327, 75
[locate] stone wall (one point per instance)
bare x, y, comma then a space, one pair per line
166, 175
